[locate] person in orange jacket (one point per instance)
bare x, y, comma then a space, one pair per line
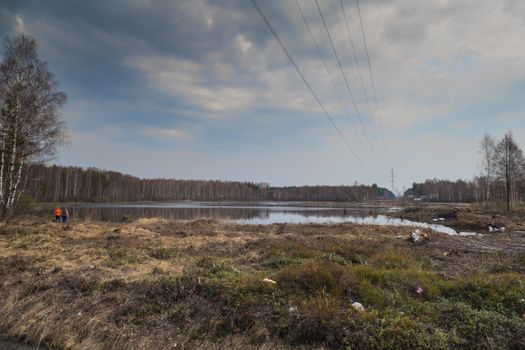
58, 214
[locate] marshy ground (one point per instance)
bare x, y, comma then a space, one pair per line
158, 284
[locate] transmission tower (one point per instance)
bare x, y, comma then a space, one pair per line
392, 176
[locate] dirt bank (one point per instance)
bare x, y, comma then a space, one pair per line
157, 284
463, 218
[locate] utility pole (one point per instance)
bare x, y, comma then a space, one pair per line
392, 177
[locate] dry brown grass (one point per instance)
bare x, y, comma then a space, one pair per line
154, 284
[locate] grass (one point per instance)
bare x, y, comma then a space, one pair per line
97, 288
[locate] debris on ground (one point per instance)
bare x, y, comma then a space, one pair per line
419, 236
267, 280
494, 228
419, 290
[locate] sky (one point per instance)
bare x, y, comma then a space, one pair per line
201, 89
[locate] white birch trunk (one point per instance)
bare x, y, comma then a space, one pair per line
2, 166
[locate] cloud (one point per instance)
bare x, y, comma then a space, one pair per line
168, 134
208, 79
19, 25
187, 80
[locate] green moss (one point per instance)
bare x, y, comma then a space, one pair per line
394, 259
311, 277
480, 329
504, 293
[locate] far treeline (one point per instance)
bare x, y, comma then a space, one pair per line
501, 181
74, 184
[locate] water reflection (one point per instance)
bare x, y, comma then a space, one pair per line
263, 214
249, 213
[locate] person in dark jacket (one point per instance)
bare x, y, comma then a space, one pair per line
65, 215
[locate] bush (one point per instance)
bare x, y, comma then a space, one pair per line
481, 329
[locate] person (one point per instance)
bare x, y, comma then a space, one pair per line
65, 214
58, 214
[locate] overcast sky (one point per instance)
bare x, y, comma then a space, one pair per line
200, 89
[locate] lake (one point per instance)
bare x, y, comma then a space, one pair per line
249, 213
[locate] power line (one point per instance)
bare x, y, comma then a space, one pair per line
358, 136
354, 51
371, 77
292, 61
345, 79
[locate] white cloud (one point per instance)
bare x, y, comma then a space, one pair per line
19, 25
168, 134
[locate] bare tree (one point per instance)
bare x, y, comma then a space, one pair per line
30, 126
509, 166
488, 158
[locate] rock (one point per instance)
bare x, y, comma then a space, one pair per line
358, 306
267, 280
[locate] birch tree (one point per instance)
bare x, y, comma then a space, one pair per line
30, 125
510, 166
488, 158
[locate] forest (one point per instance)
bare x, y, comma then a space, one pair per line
501, 180
75, 184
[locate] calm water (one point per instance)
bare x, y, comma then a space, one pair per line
249, 213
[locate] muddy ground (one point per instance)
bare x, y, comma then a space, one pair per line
158, 284
464, 218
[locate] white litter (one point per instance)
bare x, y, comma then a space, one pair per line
416, 236
358, 306
469, 234
267, 280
